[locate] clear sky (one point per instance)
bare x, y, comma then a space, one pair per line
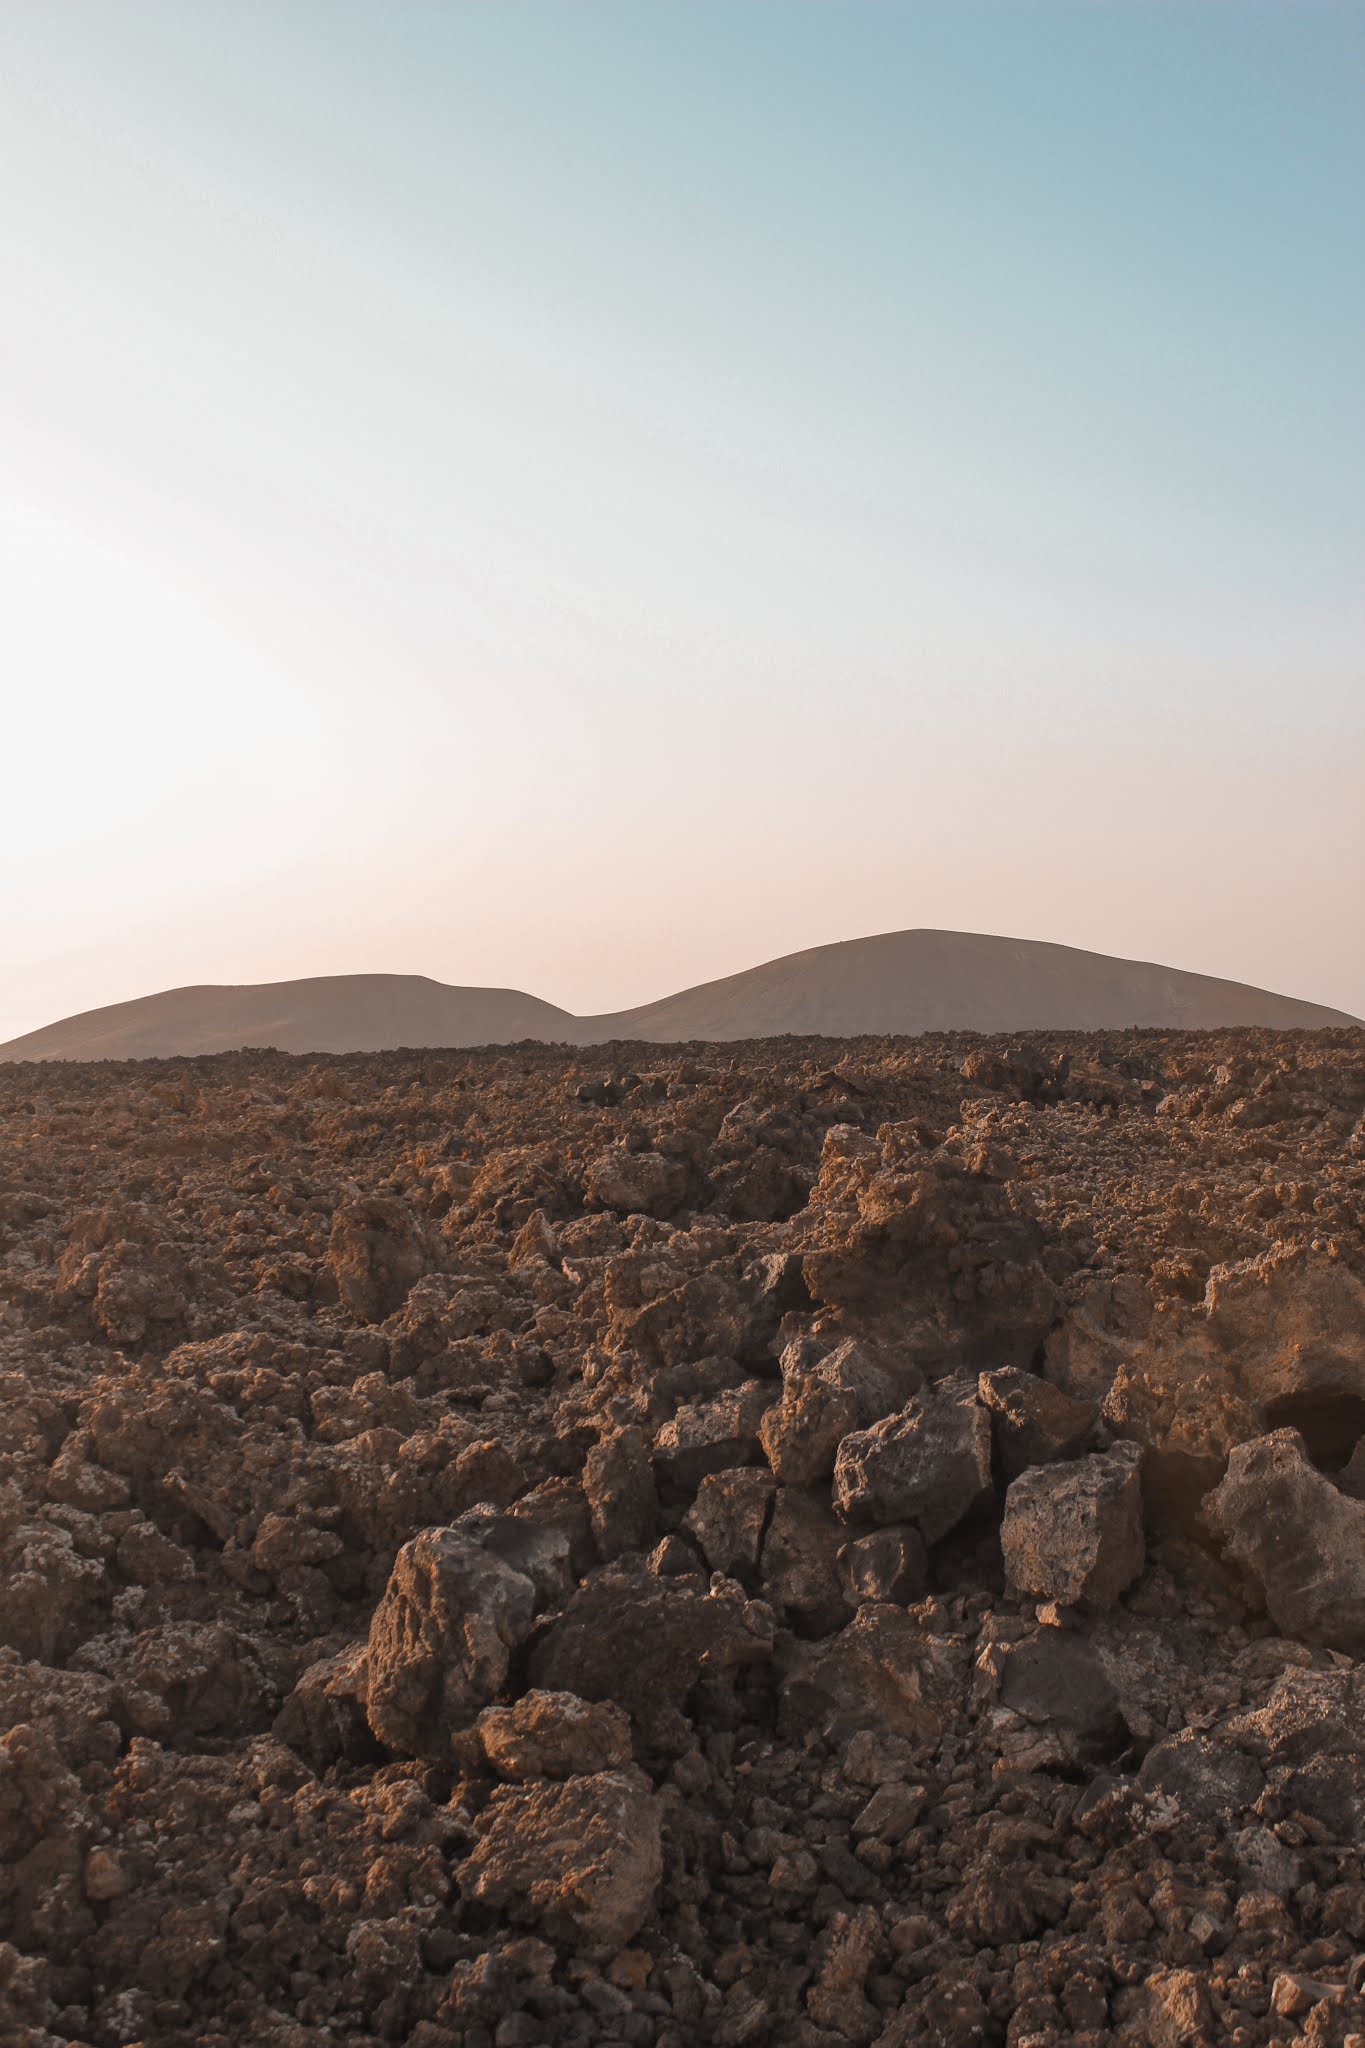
588, 497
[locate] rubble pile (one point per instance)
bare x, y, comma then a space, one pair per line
841, 1544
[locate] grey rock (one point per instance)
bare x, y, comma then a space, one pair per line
1034, 1423
930, 1464
890, 1564
1073, 1533
1298, 1537
728, 1518
711, 1435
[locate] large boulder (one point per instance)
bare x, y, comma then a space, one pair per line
581, 1860
1073, 1533
618, 1484
728, 1517
801, 1562
802, 1432
930, 1465
1298, 1537
441, 1640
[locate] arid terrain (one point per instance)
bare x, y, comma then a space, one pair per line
796, 1542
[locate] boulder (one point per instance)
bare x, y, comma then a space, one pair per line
1211, 1783
441, 1640
581, 1860
1073, 1533
890, 1564
375, 1253
710, 1435
801, 1433
728, 1518
930, 1465
635, 1183
554, 1735
1056, 1682
618, 1484
1298, 1537
800, 1562
644, 1641
1034, 1423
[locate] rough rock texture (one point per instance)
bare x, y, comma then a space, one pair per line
511, 1547
1073, 1533
581, 1860
930, 1465
1301, 1538
441, 1640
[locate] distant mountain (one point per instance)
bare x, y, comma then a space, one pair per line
954, 981
327, 1013
901, 982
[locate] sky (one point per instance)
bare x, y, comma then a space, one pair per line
589, 497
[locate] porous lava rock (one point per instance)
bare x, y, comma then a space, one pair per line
1073, 1533
1299, 1536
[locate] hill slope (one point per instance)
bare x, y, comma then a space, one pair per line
955, 981
900, 982
327, 1013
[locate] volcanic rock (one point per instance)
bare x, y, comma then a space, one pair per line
441, 1640
1298, 1536
581, 1860
930, 1465
1073, 1533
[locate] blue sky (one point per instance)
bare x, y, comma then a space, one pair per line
592, 496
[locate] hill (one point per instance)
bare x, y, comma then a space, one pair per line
900, 982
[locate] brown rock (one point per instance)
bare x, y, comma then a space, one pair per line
581, 1860
1298, 1537
930, 1465
441, 1640
554, 1735
1034, 1423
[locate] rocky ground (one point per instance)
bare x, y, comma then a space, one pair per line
805, 1542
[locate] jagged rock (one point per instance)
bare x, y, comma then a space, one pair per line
538, 1550
441, 1640
879, 1384
635, 1183
618, 1483
708, 1436
1034, 1423
1073, 1533
728, 1518
375, 1254
1298, 1537
324, 1717
1056, 1682
890, 1564
885, 1672
554, 1735
801, 1433
645, 1642
800, 1562
930, 1465
582, 1860
1208, 1780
